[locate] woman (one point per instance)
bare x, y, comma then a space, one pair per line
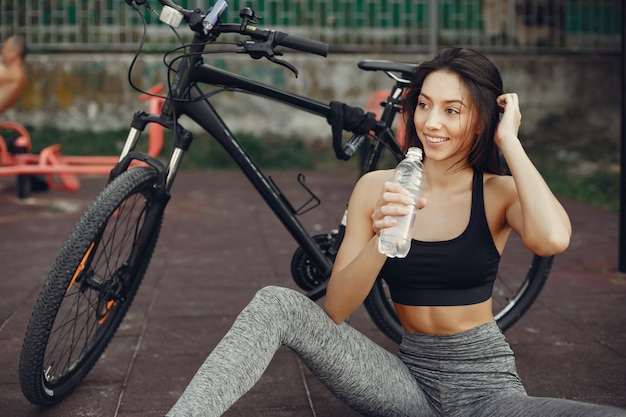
453, 360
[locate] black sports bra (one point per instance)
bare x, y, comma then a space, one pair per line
460, 271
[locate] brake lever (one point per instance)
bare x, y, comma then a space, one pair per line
284, 64
258, 50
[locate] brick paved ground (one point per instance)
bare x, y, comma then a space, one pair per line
220, 243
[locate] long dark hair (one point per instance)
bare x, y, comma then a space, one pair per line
484, 83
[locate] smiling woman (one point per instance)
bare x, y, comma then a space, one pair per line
472, 97
441, 103
453, 359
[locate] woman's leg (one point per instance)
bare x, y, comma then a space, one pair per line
360, 373
525, 406
473, 374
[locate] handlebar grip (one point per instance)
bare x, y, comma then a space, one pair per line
353, 145
301, 44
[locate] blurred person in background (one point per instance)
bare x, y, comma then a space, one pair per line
12, 71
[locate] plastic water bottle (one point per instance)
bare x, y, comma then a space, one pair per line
395, 241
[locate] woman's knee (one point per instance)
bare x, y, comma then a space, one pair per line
281, 300
275, 293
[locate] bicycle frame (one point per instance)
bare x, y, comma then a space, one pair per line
391, 108
186, 98
98, 271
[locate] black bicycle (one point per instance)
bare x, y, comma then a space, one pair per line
100, 267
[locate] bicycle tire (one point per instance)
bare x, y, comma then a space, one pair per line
90, 287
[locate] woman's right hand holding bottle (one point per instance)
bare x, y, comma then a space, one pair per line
394, 200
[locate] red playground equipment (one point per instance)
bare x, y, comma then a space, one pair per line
61, 171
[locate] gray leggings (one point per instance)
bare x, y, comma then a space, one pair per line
466, 374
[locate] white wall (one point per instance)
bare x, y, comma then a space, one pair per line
77, 91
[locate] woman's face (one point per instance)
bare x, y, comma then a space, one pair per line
445, 119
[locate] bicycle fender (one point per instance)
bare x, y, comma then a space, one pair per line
123, 165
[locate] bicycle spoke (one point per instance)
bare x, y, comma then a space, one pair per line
71, 336
92, 294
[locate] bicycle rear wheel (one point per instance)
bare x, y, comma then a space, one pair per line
521, 277
90, 287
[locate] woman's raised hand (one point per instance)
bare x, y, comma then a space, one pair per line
511, 120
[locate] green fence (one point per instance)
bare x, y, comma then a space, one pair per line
357, 25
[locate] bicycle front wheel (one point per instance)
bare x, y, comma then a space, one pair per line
90, 287
520, 279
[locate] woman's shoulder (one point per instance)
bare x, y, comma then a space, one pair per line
502, 186
369, 185
375, 179
497, 180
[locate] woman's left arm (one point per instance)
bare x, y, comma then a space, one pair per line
535, 213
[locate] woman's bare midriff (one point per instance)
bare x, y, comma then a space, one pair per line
444, 320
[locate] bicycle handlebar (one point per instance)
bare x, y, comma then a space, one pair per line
301, 44
265, 40
262, 43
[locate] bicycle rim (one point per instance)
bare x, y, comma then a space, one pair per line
520, 279
90, 287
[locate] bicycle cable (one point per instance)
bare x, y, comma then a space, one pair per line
146, 4
170, 65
